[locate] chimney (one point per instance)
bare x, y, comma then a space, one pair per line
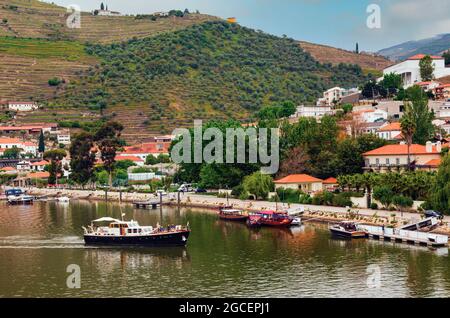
438, 146
429, 147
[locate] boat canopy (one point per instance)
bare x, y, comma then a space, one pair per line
107, 219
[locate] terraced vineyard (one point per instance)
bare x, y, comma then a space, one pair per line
36, 19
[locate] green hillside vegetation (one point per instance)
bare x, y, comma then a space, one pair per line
215, 69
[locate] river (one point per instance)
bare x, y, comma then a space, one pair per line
222, 259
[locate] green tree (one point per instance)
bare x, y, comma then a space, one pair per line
41, 146
54, 156
383, 194
82, 160
426, 68
102, 6
408, 126
12, 153
446, 56
402, 202
108, 142
392, 83
420, 114
258, 184
440, 194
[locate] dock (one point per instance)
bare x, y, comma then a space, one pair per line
405, 236
146, 204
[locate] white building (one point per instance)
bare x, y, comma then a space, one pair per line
444, 111
371, 115
63, 137
22, 106
410, 69
392, 131
26, 146
107, 13
335, 94
313, 111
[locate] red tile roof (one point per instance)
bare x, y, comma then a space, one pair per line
421, 56
391, 127
401, 150
8, 169
434, 163
298, 178
148, 148
40, 163
330, 180
38, 175
131, 158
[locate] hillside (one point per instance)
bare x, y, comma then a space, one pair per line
434, 46
210, 70
328, 54
36, 19
36, 45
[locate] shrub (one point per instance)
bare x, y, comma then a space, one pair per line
342, 200
54, 81
374, 206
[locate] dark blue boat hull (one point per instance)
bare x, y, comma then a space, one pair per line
166, 239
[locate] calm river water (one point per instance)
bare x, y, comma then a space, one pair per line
38, 242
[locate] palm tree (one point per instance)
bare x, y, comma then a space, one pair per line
408, 126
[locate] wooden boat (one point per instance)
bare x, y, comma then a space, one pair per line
269, 218
347, 229
130, 233
231, 214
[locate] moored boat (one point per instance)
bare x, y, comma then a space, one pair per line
347, 229
231, 214
18, 197
130, 233
269, 218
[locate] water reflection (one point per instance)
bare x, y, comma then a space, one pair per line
222, 258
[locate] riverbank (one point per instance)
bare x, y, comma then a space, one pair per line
316, 213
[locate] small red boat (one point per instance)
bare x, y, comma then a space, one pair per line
232, 214
269, 218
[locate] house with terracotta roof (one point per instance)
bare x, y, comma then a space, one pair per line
22, 106
395, 157
392, 131
409, 69
135, 159
302, 182
26, 146
330, 184
146, 149
38, 165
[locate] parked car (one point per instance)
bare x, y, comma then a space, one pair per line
433, 214
161, 192
200, 190
185, 187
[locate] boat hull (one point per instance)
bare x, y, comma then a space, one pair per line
236, 218
260, 221
347, 234
163, 239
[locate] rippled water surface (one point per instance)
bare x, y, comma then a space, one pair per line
38, 242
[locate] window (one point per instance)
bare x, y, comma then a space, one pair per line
377, 161
397, 161
387, 161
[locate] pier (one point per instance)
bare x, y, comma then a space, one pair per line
405, 236
146, 204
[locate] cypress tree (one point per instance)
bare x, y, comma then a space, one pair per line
41, 146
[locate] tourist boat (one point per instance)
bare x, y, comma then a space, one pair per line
18, 197
269, 218
347, 229
130, 233
230, 214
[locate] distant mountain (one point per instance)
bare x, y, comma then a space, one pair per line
435, 46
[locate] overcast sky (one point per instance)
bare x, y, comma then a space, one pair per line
339, 23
